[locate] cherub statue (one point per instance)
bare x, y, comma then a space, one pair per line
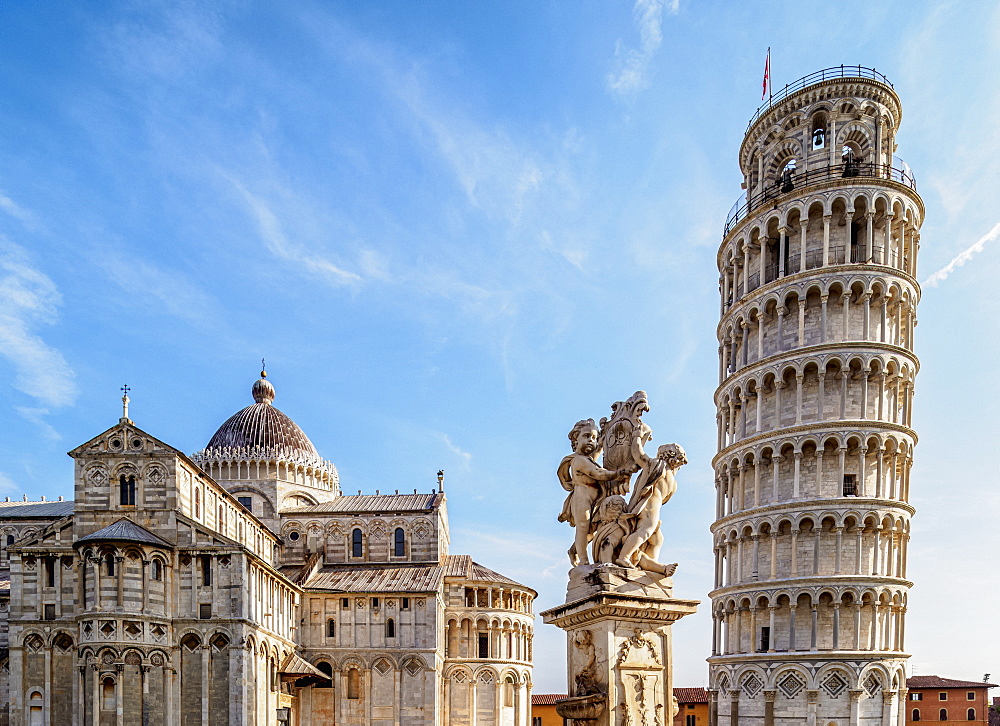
581, 475
654, 486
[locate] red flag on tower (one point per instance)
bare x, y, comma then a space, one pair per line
767, 77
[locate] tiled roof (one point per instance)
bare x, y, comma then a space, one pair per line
939, 682
293, 665
387, 503
125, 530
457, 566
31, 510
376, 578
485, 574
691, 695
545, 699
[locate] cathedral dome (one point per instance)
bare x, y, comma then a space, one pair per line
260, 435
262, 427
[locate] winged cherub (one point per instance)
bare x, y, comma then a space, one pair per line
581, 475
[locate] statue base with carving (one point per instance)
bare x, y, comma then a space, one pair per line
619, 610
632, 670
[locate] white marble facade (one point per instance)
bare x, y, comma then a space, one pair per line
240, 586
815, 444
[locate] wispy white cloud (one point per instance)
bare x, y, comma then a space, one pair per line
277, 242
497, 174
15, 210
632, 64
37, 417
28, 298
169, 291
962, 257
465, 456
6, 483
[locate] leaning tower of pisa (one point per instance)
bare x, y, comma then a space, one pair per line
816, 370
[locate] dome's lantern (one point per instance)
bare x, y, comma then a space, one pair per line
263, 391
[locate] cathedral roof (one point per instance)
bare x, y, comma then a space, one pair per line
31, 510
463, 566
125, 530
377, 578
372, 503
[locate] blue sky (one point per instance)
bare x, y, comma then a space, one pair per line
453, 230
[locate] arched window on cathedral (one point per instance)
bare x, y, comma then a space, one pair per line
327, 670
353, 684
156, 570
390, 628
331, 628
399, 543
222, 517
357, 544
197, 504
126, 490
109, 564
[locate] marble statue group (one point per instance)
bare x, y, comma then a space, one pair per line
610, 529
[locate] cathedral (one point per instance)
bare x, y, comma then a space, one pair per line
240, 586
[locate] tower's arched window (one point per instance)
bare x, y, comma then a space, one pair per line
399, 544
390, 628
787, 176
126, 487
327, 670
357, 543
156, 570
353, 684
109, 564
108, 694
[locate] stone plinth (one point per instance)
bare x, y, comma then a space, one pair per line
619, 657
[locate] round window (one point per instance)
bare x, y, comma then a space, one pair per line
294, 536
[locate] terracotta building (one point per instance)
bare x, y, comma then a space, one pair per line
239, 586
543, 709
692, 705
947, 701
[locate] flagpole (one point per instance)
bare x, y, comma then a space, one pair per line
770, 96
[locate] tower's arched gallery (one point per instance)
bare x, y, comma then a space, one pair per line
239, 586
816, 374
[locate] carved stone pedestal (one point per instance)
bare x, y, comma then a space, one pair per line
619, 657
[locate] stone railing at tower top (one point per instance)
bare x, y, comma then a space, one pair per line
827, 74
796, 181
